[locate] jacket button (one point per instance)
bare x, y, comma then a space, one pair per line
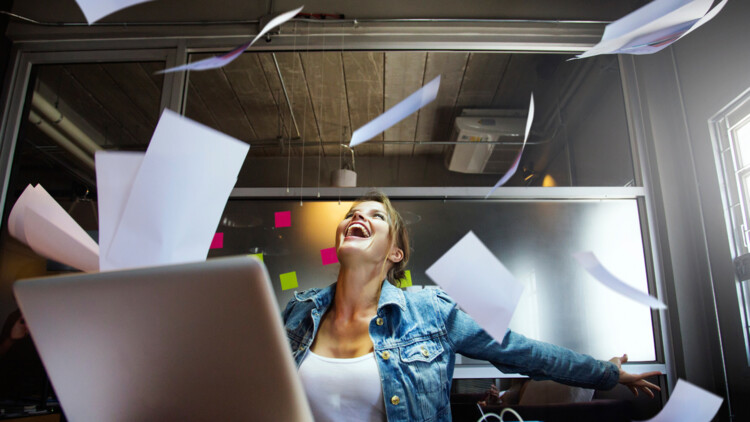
301, 348
395, 400
385, 355
379, 321
425, 353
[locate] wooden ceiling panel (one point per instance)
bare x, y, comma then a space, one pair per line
294, 79
364, 85
151, 68
196, 108
484, 71
218, 94
325, 81
517, 83
404, 74
248, 80
111, 95
285, 126
77, 97
435, 119
140, 88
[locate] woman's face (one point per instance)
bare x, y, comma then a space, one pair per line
363, 235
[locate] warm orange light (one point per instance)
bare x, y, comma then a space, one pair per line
549, 181
319, 222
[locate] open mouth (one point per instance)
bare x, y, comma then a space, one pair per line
358, 230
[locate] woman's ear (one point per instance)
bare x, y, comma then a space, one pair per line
396, 255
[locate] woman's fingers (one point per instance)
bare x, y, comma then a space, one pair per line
649, 374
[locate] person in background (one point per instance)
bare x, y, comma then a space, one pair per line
22, 375
366, 350
14, 330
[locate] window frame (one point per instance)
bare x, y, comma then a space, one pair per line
735, 194
435, 35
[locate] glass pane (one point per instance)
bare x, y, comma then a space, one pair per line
737, 221
742, 140
72, 111
468, 136
730, 179
561, 303
744, 178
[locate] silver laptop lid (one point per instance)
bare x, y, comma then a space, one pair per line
200, 341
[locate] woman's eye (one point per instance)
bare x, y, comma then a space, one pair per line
380, 216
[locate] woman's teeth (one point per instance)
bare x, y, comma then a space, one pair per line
358, 230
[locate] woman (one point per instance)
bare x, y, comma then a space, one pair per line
368, 351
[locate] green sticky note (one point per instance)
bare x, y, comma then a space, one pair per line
406, 281
289, 280
257, 255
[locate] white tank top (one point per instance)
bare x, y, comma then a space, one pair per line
343, 389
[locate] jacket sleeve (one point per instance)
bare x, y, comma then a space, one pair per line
518, 354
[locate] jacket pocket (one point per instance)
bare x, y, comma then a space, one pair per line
423, 351
424, 363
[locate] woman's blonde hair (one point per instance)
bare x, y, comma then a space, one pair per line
397, 233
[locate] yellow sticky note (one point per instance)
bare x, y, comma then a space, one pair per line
257, 255
406, 281
289, 280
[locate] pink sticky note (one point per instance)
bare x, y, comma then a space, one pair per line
283, 218
328, 256
218, 241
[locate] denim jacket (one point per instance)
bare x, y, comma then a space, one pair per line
416, 336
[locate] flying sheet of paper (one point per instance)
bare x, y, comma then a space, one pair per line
97, 9
40, 222
178, 195
472, 275
653, 27
115, 173
660, 40
589, 261
395, 114
689, 403
514, 167
226, 58
50, 240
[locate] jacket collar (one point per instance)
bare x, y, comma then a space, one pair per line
389, 295
321, 298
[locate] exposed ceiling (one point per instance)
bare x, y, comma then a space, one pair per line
332, 93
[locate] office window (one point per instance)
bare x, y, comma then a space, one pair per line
731, 137
561, 303
297, 108
71, 111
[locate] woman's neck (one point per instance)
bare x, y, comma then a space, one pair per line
357, 292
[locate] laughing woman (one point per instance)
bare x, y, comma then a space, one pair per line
368, 351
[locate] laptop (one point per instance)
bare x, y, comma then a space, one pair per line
199, 342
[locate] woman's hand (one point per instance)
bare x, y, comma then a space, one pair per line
635, 382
